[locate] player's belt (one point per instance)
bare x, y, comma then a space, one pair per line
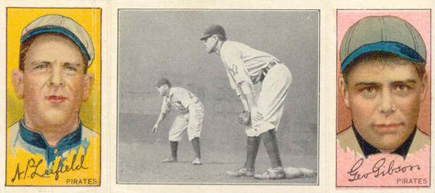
266, 69
270, 66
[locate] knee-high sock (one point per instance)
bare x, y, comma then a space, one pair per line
253, 143
271, 144
174, 148
196, 147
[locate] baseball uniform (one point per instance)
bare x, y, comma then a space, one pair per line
21, 137
352, 140
180, 99
243, 63
75, 155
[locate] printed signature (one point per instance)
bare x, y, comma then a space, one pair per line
32, 165
379, 169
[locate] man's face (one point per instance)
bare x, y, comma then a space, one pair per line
210, 44
384, 100
53, 83
162, 90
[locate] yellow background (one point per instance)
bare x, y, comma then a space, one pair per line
90, 19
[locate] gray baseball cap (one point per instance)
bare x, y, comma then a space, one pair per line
213, 30
58, 24
382, 34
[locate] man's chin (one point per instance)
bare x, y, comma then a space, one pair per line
56, 118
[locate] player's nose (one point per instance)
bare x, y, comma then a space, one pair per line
386, 102
56, 77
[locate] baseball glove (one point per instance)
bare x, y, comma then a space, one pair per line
245, 118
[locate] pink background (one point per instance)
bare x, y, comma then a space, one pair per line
420, 19
347, 159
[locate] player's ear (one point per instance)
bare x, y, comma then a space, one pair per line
424, 82
18, 82
87, 87
344, 91
215, 37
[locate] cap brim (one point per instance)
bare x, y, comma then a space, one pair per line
57, 30
205, 37
397, 48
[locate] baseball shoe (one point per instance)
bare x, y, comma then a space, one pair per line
196, 162
242, 172
169, 160
272, 174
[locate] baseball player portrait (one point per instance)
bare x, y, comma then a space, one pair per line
383, 98
53, 82
245, 67
383, 61
190, 118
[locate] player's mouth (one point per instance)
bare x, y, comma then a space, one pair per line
56, 99
388, 127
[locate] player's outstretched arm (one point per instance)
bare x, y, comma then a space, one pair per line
242, 98
156, 125
251, 99
249, 95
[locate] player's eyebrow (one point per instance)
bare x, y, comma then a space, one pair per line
72, 64
34, 63
367, 84
407, 81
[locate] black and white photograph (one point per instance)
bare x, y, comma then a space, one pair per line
211, 96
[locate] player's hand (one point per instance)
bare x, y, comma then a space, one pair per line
155, 128
245, 118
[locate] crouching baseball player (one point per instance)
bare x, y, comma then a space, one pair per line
190, 117
263, 109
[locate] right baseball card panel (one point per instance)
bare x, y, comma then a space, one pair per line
383, 98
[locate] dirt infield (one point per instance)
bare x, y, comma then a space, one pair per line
140, 153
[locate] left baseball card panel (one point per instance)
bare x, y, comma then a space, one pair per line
53, 97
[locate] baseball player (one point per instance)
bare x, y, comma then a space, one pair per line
263, 109
53, 82
190, 117
383, 61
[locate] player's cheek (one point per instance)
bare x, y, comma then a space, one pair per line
409, 109
33, 88
363, 110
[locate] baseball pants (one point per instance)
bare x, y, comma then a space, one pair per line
192, 122
274, 90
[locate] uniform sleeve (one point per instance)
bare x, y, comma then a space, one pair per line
165, 105
231, 58
233, 83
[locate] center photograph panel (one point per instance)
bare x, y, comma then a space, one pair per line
218, 96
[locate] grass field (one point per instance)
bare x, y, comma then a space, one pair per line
223, 148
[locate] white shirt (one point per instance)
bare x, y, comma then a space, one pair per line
180, 99
243, 63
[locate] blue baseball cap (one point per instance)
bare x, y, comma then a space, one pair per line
58, 24
382, 34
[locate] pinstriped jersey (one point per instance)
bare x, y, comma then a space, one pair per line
180, 99
243, 63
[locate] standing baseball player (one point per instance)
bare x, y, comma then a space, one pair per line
190, 117
263, 109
